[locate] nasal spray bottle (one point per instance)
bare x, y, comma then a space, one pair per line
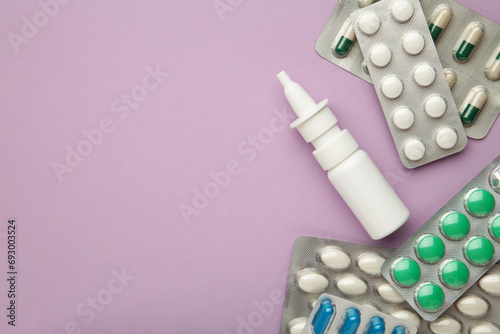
350, 170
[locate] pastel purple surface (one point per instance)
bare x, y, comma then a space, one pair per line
102, 244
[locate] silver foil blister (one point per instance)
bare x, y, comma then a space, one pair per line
306, 257
469, 74
468, 227
339, 319
436, 130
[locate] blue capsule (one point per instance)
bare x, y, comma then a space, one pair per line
323, 317
399, 330
351, 323
376, 326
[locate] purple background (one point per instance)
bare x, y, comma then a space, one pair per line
119, 208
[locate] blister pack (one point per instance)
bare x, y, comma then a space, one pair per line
353, 271
340, 268
410, 82
332, 315
468, 45
452, 250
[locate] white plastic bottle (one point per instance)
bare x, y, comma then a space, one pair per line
350, 170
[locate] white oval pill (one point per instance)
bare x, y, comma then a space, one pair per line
373, 307
473, 306
352, 286
435, 106
369, 23
389, 294
446, 325
490, 283
409, 316
296, 326
392, 87
380, 55
311, 281
371, 263
402, 10
414, 150
312, 302
413, 43
424, 75
403, 118
446, 138
485, 328
334, 258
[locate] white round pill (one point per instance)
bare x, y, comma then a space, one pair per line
311, 281
296, 326
403, 118
371, 263
446, 325
414, 150
389, 294
413, 43
490, 283
334, 258
485, 328
409, 316
424, 74
352, 286
402, 10
380, 55
392, 87
446, 138
473, 306
369, 23
435, 106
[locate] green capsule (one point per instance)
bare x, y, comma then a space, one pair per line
435, 31
471, 38
473, 104
439, 20
344, 40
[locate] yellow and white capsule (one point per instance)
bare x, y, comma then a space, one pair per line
451, 77
364, 3
470, 38
473, 104
344, 40
492, 69
439, 20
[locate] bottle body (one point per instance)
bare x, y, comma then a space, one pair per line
368, 194
350, 170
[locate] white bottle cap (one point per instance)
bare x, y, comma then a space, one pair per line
317, 122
